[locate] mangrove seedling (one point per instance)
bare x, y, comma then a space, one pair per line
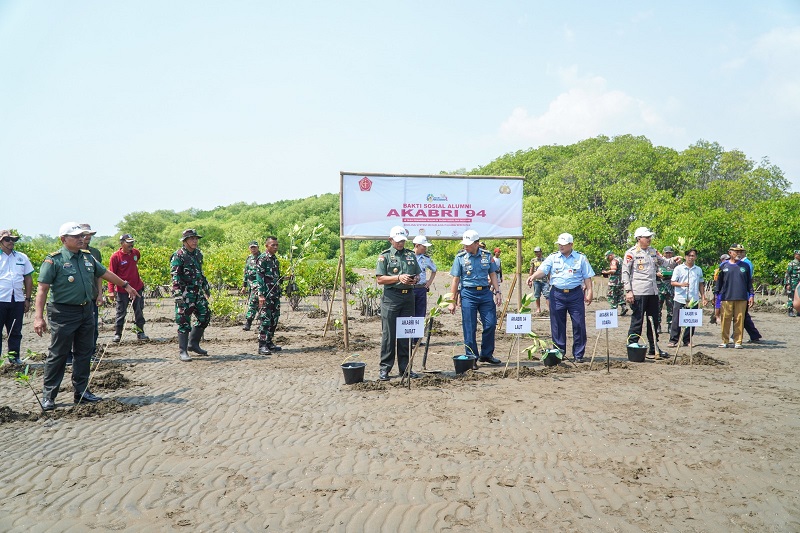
24, 378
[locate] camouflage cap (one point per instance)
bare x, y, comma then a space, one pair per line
87, 229
668, 249
190, 233
796, 252
6, 234
609, 252
253, 243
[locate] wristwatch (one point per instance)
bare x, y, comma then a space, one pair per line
125, 285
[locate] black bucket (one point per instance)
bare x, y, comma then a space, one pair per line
463, 363
353, 372
637, 352
551, 358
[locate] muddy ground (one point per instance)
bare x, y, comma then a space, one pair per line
240, 442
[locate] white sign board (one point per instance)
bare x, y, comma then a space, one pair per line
518, 323
605, 319
435, 206
691, 318
410, 327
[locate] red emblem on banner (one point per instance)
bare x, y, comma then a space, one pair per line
365, 184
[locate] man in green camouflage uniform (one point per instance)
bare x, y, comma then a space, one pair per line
249, 285
666, 292
616, 296
268, 285
191, 291
792, 279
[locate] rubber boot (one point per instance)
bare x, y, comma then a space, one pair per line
194, 340
263, 349
247, 324
183, 342
117, 334
142, 336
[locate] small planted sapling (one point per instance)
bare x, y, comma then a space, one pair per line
436, 310
24, 378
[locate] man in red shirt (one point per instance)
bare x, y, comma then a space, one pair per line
125, 264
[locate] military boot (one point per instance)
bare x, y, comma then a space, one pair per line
183, 341
247, 324
263, 349
194, 340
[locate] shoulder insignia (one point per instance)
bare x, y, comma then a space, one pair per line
86, 251
381, 258
48, 261
461, 253
54, 254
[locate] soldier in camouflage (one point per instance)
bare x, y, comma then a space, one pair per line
792, 279
191, 291
249, 284
268, 284
666, 292
616, 296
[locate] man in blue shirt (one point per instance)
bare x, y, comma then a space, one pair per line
570, 290
476, 273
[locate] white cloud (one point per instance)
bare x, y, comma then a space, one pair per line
586, 109
779, 53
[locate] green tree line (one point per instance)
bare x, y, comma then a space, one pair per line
599, 189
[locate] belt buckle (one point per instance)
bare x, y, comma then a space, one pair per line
478, 288
403, 291
565, 290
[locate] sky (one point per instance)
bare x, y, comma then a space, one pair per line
108, 108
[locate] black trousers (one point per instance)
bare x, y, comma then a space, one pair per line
123, 300
675, 329
751, 328
11, 314
71, 327
646, 305
394, 304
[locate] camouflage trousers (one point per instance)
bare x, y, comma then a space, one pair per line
193, 304
252, 305
666, 295
616, 296
268, 315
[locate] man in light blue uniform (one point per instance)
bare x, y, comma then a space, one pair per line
570, 288
475, 271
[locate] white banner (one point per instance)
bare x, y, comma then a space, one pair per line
435, 206
516, 323
605, 319
410, 327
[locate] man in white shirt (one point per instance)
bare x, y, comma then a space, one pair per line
16, 286
686, 279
